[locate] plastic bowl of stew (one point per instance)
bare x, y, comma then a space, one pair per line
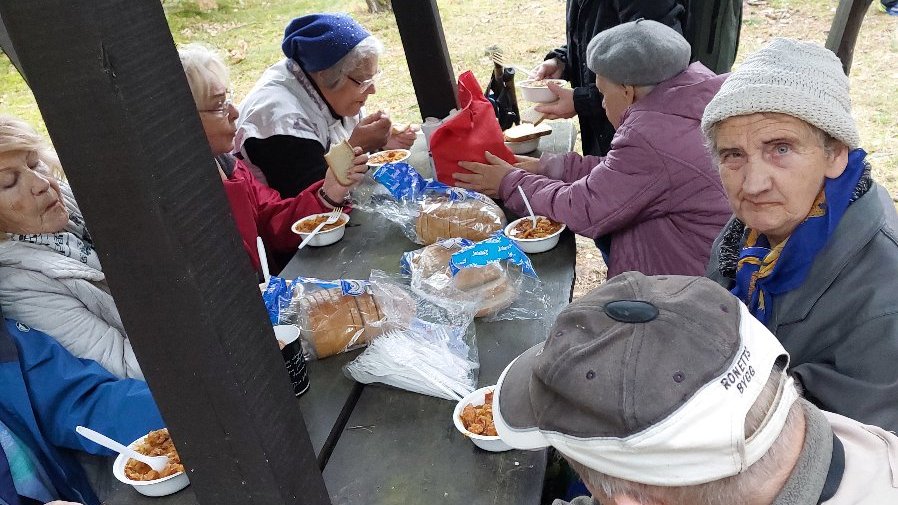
157, 487
328, 235
477, 398
533, 245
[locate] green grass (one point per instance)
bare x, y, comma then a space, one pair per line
248, 34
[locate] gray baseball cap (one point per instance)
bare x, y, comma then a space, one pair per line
638, 53
647, 379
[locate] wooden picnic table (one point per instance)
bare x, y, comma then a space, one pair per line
381, 445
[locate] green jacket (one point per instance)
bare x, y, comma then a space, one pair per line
841, 325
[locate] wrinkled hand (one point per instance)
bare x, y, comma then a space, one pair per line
527, 164
372, 132
402, 139
562, 108
549, 69
486, 178
338, 192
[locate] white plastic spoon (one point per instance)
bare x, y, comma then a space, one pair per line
263, 259
157, 463
527, 203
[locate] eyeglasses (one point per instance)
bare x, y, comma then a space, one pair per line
366, 84
222, 109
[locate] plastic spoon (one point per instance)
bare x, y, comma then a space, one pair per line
527, 203
263, 259
157, 463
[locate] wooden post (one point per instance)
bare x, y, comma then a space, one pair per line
422, 37
115, 100
845, 28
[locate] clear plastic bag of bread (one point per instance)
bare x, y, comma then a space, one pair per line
429, 211
342, 315
434, 354
494, 275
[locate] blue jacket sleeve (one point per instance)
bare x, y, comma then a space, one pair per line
66, 391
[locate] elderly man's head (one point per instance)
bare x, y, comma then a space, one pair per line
631, 58
779, 126
340, 56
30, 199
658, 390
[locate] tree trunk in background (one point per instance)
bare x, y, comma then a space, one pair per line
375, 6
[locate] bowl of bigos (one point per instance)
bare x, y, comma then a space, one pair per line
537, 90
144, 479
328, 235
534, 239
390, 156
473, 417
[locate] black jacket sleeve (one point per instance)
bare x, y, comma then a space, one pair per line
290, 164
668, 12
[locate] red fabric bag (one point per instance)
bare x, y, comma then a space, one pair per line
469, 134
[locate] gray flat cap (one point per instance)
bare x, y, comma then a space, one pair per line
638, 53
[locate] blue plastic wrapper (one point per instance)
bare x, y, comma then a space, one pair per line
494, 249
405, 262
277, 296
405, 183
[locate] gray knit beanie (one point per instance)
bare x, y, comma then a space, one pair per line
638, 53
800, 79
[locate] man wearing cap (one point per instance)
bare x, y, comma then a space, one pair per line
656, 194
666, 390
813, 247
311, 100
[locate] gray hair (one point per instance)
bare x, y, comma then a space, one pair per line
829, 143
738, 489
204, 69
369, 48
18, 136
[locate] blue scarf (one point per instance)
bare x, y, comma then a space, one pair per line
764, 272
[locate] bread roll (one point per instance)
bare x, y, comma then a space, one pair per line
338, 322
441, 218
487, 286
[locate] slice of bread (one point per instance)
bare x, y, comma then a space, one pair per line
339, 159
526, 131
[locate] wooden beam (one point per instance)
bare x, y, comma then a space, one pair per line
115, 100
431, 70
845, 28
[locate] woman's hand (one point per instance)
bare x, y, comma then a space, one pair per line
372, 132
403, 138
561, 108
486, 178
337, 192
549, 69
527, 164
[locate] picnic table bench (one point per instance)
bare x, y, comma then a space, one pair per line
380, 445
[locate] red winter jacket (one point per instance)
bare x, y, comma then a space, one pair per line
260, 211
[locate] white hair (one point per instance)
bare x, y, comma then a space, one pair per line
18, 136
204, 69
738, 489
370, 48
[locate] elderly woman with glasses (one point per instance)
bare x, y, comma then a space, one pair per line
813, 247
50, 274
258, 210
313, 99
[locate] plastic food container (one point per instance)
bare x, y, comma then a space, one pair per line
533, 245
323, 238
159, 487
487, 443
527, 146
389, 156
539, 93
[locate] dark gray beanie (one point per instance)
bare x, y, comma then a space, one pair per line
638, 53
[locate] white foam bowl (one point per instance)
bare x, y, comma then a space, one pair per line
322, 238
487, 443
527, 146
539, 94
159, 487
533, 245
405, 154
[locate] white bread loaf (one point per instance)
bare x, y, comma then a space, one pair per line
442, 218
488, 286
